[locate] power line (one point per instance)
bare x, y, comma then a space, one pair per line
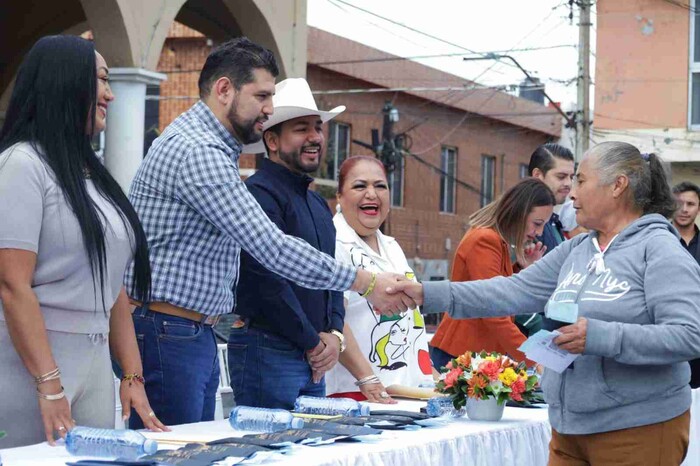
332, 2
410, 28
682, 5
440, 55
490, 67
439, 170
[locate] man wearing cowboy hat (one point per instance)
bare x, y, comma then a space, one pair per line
287, 336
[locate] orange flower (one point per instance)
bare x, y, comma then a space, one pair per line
476, 382
465, 360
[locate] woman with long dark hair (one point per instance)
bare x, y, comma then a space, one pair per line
67, 234
501, 235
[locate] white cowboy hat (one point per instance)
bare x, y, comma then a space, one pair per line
292, 99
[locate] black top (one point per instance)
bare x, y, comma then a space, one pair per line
692, 248
269, 300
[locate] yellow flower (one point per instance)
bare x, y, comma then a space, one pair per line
490, 358
508, 376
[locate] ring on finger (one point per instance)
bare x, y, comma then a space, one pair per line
151, 414
384, 395
61, 428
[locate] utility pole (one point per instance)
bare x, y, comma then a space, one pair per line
388, 151
584, 79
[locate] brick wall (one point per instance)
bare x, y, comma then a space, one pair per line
418, 226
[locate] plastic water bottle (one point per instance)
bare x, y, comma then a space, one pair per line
122, 443
330, 406
442, 406
263, 419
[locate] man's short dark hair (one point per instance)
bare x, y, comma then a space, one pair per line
543, 157
235, 59
277, 129
686, 186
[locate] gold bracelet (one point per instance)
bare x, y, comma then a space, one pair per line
54, 397
51, 375
133, 377
370, 289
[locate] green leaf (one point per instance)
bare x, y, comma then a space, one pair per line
2, 433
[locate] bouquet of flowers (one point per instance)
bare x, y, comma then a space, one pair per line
486, 375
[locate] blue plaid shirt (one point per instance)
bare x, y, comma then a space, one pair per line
198, 214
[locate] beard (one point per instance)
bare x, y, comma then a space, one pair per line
244, 129
293, 160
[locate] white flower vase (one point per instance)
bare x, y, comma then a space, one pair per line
484, 410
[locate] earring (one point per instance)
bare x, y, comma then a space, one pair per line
338, 209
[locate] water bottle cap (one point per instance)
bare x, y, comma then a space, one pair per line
150, 446
364, 409
297, 423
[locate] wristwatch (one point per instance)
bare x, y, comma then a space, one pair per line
341, 338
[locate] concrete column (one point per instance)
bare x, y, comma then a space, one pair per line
125, 122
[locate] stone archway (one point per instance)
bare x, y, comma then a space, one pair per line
130, 35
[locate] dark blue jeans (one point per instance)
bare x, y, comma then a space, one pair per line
268, 371
180, 365
439, 357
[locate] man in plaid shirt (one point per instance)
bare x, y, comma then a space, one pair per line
198, 214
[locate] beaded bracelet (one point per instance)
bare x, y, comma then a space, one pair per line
136, 377
54, 397
51, 375
370, 288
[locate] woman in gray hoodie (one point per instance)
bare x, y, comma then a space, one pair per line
636, 293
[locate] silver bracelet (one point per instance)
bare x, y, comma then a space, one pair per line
54, 397
364, 379
372, 379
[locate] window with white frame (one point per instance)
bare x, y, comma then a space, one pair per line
488, 179
694, 78
396, 183
338, 148
448, 164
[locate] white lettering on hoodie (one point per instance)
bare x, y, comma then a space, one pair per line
604, 287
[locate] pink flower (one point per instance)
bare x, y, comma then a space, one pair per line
448, 365
452, 377
490, 369
517, 388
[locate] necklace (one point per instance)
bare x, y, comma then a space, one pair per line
87, 174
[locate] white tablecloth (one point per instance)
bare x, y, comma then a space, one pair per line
521, 438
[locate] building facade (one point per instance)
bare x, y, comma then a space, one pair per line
647, 80
481, 138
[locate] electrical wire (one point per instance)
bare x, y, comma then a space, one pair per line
441, 55
417, 31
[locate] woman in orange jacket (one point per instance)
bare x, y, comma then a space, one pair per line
501, 236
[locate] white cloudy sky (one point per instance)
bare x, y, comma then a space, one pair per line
474, 25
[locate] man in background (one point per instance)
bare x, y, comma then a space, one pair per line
688, 197
554, 165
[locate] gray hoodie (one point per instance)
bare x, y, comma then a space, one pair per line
643, 315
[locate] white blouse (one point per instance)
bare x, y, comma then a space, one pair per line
396, 347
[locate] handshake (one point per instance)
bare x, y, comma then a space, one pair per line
389, 293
